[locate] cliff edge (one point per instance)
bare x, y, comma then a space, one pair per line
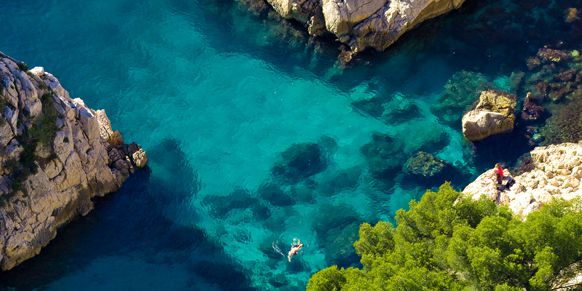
553, 171
56, 154
362, 23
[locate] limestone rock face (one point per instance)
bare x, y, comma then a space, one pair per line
364, 23
494, 114
545, 173
53, 160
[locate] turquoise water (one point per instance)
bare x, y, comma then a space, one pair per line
215, 95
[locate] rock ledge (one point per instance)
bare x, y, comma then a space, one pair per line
549, 172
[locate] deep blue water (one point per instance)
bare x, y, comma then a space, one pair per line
216, 95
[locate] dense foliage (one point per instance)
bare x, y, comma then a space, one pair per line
445, 242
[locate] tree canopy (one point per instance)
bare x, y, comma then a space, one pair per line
449, 242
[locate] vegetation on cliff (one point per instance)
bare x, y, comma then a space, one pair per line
40, 134
449, 242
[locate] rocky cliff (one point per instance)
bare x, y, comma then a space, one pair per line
493, 114
553, 171
362, 23
56, 154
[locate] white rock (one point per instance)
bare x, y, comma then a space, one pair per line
64, 185
38, 71
543, 181
365, 23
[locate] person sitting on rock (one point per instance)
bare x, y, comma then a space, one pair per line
296, 245
500, 176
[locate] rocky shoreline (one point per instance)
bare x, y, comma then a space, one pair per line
546, 173
56, 154
357, 24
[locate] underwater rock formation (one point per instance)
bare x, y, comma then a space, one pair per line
336, 227
494, 114
425, 165
361, 24
389, 109
384, 155
239, 200
531, 110
400, 109
56, 154
555, 74
554, 88
299, 162
458, 94
545, 173
565, 125
272, 193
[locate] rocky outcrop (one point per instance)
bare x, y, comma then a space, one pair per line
363, 23
56, 154
569, 278
494, 114
545, 173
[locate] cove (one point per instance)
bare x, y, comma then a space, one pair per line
216, 95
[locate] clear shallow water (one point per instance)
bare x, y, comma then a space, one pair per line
215, 97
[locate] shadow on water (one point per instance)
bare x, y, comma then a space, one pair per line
175, 182
133, 222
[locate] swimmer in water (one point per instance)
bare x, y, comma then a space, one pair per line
295, 247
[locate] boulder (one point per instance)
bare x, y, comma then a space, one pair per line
362, 23
379, 23
545, 173
494, 114
140, 158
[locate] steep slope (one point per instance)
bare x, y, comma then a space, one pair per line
55, 155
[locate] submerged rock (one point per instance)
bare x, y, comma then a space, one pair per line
340, 180
56, 154
555, 75
361, 24
494, 114
384, 155
424, 164
565, 124
300, 162
458, 94
545, 173
275, 195
221, 205
336, 227
400, 109
553, 102
531, 109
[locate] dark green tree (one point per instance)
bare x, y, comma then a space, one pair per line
449, 242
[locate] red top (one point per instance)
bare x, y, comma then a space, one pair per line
500, 172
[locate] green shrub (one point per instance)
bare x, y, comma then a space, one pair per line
44, 129
448, 242
42, 132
